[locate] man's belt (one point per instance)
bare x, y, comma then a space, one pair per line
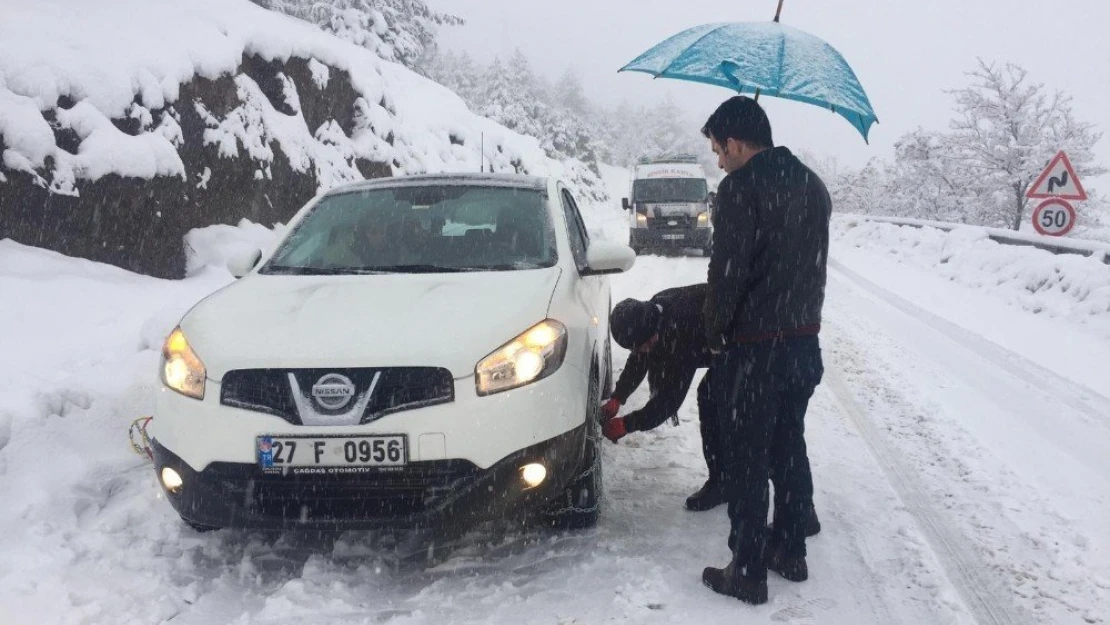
776, 335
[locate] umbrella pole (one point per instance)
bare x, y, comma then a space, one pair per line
778, 13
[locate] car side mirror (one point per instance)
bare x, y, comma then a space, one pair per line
604, 258
243, 262
712, 200
625, 204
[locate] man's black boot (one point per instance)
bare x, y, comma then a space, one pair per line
729, 581
790, 566
812, 525
708, 497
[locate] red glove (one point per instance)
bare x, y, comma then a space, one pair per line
609, 409
614, 429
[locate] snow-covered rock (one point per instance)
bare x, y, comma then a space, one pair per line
124, 124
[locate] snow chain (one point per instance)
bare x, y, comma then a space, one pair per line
142, 447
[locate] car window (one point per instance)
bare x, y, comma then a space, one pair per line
579, 238
659, 190
422, 229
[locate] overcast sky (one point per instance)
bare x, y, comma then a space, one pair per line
905, 52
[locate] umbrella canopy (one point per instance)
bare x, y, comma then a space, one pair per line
766, 58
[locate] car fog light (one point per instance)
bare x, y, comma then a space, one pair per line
171, 480
533, 474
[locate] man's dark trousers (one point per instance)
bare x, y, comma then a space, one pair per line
761, 391
707, 413
710, 430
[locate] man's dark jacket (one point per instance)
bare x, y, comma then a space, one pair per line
770, 245
672, 362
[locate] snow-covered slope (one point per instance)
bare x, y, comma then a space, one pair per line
123, 58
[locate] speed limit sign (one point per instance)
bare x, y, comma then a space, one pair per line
1054, 217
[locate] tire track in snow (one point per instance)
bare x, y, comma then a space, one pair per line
972, 578
1017, 433
1080, 398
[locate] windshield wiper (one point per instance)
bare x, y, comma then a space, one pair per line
318, 271
371, 270
521, 266
417, 268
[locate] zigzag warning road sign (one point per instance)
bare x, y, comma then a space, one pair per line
1058, 180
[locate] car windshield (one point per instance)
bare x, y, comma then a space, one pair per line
420, 229
670, 190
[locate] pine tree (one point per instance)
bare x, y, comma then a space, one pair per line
570, 94
403, 31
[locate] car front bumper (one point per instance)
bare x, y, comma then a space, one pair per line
481, 430
670, 237
417, 495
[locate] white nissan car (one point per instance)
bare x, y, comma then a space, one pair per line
415, 351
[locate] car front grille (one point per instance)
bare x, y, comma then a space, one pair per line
664, 223
288, 393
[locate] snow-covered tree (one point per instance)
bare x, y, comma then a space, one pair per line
1005, 131
864, 191
570, 95
928, 181
403, 31
457, 72
510, 95
670, 131
561, 116
632, 132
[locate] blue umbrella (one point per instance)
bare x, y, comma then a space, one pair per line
762, 57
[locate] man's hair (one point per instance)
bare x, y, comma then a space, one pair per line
740, 118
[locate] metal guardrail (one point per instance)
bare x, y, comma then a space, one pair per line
1009, 237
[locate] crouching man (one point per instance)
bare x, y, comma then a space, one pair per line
666, 338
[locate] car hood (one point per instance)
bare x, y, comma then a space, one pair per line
395, 320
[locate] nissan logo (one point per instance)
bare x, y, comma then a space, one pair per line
333, 391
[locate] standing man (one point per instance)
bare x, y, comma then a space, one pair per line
762, 316
667, 340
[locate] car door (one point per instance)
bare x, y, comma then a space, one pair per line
591, 293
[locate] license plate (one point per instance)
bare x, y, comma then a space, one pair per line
673, 237
330, 454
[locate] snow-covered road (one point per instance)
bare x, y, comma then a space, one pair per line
962, 476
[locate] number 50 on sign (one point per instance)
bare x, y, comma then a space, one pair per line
1054, 217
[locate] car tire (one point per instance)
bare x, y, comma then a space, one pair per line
579, 505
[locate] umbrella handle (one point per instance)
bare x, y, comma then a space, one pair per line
778, 11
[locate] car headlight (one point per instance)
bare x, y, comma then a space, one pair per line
535, 354
703, 220
182, 370
641, 220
